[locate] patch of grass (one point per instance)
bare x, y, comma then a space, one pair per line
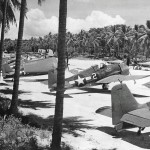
4, 104
16, 136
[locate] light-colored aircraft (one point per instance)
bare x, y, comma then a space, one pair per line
38, 66
125, 111
142, 66
94, 75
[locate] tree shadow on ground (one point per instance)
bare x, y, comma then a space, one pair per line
34, 80
129, 136
70, 125
10, 91
5, 104
4, 84
101, 91
54, 94
35, 104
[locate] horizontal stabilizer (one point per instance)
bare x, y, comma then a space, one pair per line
74, 71
138, 117
116, 78
106, 111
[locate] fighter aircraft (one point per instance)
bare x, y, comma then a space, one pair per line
125, 111
94, 75
38, 66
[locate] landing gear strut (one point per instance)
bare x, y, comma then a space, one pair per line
139, 131
105, 86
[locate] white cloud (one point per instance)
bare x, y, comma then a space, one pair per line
96, 19
38, 25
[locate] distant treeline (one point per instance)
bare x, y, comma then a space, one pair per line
99, 42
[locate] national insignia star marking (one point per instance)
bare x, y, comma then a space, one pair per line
80, 81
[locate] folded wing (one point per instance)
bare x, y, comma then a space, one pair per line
138, 117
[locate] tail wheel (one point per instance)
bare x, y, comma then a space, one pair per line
105, 86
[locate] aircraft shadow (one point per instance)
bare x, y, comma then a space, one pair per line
35, 104
101, 91
54, 94
129, 136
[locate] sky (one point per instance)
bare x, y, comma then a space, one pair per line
81, 14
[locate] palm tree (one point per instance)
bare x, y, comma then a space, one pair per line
112, 39
1, 14
14, 102
40, 1
133, 41
8, 16
144, 40
2, 33
58, 118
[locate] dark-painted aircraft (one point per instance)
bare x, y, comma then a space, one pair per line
95, 75
125, 111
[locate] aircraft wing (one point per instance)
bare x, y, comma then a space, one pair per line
138, 117
145, 64
115, 78
115, 61
76, 70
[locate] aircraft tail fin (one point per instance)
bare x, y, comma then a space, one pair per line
122, 102
52, 77
6, 69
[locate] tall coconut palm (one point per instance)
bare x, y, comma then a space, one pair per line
133, 41
1, 14
14, 102
2, 32
58, 118
144, 40
8, 16
112, 38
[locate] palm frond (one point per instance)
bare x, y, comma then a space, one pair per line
40, 2
136, 27
148, 24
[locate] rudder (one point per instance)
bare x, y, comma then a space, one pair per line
122, 102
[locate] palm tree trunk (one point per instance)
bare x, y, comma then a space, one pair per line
58, 118
14, 102
2, 34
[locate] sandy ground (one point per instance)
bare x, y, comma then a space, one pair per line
93, 131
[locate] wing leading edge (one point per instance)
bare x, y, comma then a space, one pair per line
115, 78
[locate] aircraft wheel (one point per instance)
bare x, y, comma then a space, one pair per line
139, 131
105, 86
116, 133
